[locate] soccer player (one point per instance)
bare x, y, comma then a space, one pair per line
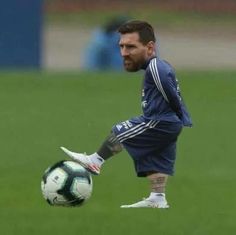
150, 139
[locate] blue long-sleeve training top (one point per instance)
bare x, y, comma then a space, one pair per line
161, 97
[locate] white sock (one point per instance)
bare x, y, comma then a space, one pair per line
97, 159
160, 197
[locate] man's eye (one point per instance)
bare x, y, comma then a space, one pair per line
130, 46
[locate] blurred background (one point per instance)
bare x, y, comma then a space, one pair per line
191, 34
47, 100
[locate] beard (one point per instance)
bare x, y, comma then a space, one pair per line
132, 66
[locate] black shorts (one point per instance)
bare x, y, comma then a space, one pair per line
150, 143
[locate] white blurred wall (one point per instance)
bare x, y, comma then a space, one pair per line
63, 46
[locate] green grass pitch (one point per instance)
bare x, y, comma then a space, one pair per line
42, 111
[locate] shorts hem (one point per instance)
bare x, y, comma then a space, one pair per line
144, 173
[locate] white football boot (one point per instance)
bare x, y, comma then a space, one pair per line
147, 203
84, 160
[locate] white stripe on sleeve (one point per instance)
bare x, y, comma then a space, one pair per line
156, 77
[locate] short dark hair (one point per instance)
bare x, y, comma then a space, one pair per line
144, 29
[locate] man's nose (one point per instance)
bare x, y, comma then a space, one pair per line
124, 52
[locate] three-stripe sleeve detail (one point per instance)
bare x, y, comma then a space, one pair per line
156, 78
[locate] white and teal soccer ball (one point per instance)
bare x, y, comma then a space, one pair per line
66, 183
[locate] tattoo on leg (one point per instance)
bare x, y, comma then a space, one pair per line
158, 184
110, 147
113, 144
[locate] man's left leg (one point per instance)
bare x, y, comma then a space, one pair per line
93, 162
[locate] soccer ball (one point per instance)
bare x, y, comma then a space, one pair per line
66, 183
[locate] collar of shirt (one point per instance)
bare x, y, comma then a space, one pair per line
147, 62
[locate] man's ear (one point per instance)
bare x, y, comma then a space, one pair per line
151, 47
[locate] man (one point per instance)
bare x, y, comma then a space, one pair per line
150, 139
103, 51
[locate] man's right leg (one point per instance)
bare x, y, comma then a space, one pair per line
157, 197
93, 162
